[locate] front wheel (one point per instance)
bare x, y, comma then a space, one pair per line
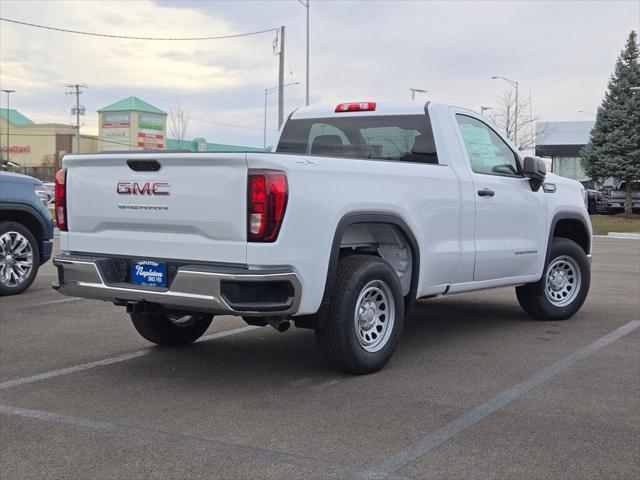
366, 316
564, 286
169, 330
19, 258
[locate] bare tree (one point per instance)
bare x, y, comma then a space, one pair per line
178, 122
503, 115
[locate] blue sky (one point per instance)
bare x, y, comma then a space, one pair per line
563, 51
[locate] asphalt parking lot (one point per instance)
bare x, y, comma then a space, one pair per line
475, 390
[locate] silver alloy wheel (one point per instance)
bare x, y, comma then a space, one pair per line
16, 259
374, 315
182, 320
563, 281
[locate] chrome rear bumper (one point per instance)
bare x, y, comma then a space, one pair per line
198, 288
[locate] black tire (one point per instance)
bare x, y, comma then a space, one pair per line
337, 337
7, 288
533, 297
164, 329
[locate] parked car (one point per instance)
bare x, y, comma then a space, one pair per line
50, 186
596, 202
362, 209
26, 231
615, 198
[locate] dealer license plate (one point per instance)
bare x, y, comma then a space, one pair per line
148, 272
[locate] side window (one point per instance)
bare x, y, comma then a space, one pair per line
488, 153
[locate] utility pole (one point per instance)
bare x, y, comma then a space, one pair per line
77, 110
281, 80
8, 92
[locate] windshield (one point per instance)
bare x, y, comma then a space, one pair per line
406, 138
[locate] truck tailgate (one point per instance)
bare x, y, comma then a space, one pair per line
192, 208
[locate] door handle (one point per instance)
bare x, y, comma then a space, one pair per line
485, 192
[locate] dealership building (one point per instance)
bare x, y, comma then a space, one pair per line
562, 142
130, 124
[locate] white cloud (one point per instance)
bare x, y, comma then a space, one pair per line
36, 54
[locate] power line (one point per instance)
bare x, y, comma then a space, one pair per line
126, 37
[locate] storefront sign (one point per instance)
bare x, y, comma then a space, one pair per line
17, 149
116, 139
115, 120
151, 131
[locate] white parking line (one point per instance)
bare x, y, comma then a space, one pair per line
52, 302
432, 440
107, 361
386, 469
41, 304
328, 469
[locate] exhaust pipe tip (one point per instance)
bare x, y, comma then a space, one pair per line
280, 324
284, 326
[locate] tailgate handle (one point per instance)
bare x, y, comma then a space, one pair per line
144, 165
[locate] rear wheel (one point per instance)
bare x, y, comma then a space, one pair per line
564, 286
19, 258
170, 330
366, 316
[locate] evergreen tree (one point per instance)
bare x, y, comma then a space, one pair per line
614, 146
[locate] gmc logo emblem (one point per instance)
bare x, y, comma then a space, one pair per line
146, 188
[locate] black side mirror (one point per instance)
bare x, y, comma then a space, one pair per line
536, 171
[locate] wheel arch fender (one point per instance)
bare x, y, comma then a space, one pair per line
354, 218
27, 216
569, 225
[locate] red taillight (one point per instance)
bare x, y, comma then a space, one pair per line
61, 199
266, 203
356, 107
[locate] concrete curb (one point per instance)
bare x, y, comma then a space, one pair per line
626, 236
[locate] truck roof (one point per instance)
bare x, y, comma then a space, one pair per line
381, 108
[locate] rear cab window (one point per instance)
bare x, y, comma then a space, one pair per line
404, 138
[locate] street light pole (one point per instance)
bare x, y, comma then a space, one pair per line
264, 133
515, 84
281, 80
267, 91
515, 122
414, 90
306, 5
8, 92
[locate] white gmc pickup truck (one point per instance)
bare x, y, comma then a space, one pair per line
361, 210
